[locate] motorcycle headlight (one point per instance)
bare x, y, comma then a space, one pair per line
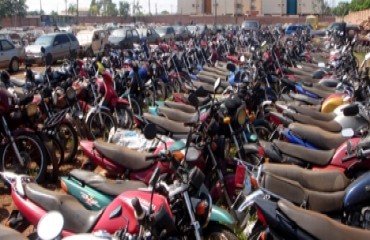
31, 110
71, 94
241, 115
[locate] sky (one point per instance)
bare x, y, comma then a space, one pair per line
59, 5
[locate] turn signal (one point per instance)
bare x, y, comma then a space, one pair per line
227, 120
254, 182
178, 155
201, 207
64, 187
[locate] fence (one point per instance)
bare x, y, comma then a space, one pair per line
167, 19
356, 17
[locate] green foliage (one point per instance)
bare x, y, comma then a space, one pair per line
54, 13
72, 9
124, 9
358, 5
13, 7
341, 9
165, 12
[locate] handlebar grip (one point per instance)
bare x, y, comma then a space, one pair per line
349, 157
152, 157
139, 212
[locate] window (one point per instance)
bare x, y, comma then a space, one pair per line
61, 39
6, 45
149, 32
128, 33
72, 37
135, 33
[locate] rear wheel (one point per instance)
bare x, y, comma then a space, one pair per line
14, 65
68, 138
219, 232
33, 153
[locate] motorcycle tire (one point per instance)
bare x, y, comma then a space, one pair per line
68, 138
124, 116
94, 121
217, 231
35, 152
135, 107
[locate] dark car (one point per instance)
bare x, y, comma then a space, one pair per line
149, 35
167, 33
202, 29
181, 33
123, 38
293, 28
250, 25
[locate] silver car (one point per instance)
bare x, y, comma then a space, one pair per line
10, 56
57, 45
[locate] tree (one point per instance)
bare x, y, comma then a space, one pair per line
124, 9
13, 8
321, 7
94, 10
358, 5
54, 13
165, 12
112, 9
72, 9
341, 9
137, 8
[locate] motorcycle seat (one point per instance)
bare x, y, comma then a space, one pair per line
250, 148
123, 156
319, 225
7, 233
317, 157
312, 113
293, 191
300, 72
292, 102
319, 92
306, 79
331, 126
306, 99
17, 82
202, 100
212, 79
208, 87
322, 181
322, 139
180, 106
167, 124
178, 116
77, 218
103, 185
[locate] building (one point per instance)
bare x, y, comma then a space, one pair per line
249, 7
219, 7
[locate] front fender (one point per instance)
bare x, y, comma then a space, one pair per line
94, 110
221, 216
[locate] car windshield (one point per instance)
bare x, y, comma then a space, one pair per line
118, 33
293, 27
161, 30
250, 24
142, 32
44, 40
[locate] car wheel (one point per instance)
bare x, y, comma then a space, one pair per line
14, 65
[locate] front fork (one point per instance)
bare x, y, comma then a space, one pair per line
194, 222
12, 141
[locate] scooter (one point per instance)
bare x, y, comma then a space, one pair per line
283, 220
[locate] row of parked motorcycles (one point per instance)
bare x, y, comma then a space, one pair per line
247, 137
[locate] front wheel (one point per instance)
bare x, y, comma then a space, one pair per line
100, 123
219, 232
33, 153
124, 117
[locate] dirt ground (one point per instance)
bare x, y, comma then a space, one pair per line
6, 203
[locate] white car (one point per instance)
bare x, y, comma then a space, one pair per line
10, 56
93, 42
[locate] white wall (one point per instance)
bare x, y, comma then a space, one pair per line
307, 7
188, 7
274, 7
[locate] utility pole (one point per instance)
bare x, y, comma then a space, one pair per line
77, 13
215, 11
156, 9
65, 3
40, 7
149, 8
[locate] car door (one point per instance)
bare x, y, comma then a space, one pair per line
135, 36
7, 53
57, 50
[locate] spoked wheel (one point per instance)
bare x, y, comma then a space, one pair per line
263, 130
219, 232
124, 117
149, 99
135, 107
177, 86
33, 153
67, 136
100, 125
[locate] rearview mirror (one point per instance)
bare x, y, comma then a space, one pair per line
263, 43
45, 230
351, 110
193, 100
217, 84
347, 132
150, 131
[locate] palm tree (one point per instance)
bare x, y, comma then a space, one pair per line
72, 9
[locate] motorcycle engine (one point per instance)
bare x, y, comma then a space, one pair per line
365, 213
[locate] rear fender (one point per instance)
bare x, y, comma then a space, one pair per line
221, 216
